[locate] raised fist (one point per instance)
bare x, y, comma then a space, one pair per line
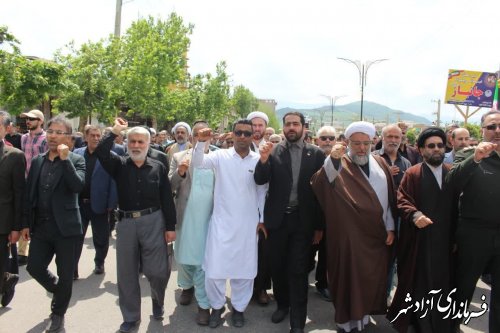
120, 125
63, 151
337, 151
204, 134
265, 150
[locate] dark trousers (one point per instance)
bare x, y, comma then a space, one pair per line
43, 247
263, 279
290, 248
4, 256
320, 275
100, 234
479, 248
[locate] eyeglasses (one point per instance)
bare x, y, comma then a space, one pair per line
31, 119
359, 143
440, 145
247, 134
492, 127
324, 138
51, 131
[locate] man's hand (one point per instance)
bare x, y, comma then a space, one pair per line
25, 234
423, 221
390, 238
338, 151
204, 134
394, 170
169, 236
182, 168
262, 227
265, 150
318, 235
483, 150
14, 237
63, 151
119, 126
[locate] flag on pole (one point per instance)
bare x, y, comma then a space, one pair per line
495, 98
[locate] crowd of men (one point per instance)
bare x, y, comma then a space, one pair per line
253, 209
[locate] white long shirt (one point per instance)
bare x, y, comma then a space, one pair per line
231, 247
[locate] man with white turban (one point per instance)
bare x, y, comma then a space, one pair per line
355, 190
181, 132
259, 122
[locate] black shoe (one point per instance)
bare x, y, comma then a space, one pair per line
75, 276
279, 315
324, 293
237, 318
22, 260
186, 296
99, 269
56, 323
9, 285
128, 326
296, 330
215, 317
158, 310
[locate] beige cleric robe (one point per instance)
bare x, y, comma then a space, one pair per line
357, 256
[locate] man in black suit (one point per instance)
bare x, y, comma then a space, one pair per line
12, 184
292, 216
52, 214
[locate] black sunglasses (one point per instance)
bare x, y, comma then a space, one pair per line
247, 134
324, 138
433, 145
492, 127
32, 119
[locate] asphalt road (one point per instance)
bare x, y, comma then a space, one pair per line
94, 307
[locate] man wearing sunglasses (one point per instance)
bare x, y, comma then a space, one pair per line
476, 175
33, 143
426, 203
231, 245
326, 140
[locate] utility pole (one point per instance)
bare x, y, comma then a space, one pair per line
118, 18
438, 112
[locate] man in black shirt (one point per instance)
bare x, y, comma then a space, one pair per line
147, 221
97, 199
51, 213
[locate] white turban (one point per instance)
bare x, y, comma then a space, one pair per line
258, 114
360, 127
182, 124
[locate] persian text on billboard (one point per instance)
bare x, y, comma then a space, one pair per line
470, 88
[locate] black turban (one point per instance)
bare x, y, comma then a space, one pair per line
429, 132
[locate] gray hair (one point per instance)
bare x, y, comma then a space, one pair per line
389, 127
139, 130
5, 117
323, 129
63, 121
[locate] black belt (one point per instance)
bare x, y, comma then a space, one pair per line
291, 209
135, 214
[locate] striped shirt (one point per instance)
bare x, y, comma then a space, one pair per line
32, 146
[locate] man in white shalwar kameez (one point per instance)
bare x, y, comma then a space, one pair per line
231, 247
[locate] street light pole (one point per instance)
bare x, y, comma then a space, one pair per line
363, 71
333, 101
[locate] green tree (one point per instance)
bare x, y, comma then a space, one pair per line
90, 88
243, 101
154, 59
26, 82
474, 131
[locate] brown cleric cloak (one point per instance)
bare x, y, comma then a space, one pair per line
357, 256
424, 255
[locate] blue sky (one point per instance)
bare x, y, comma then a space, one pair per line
287, 50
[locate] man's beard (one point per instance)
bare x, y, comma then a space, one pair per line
138, 156
359, 160
293, 136
257, 135
391, 147
181, 141
435, 159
